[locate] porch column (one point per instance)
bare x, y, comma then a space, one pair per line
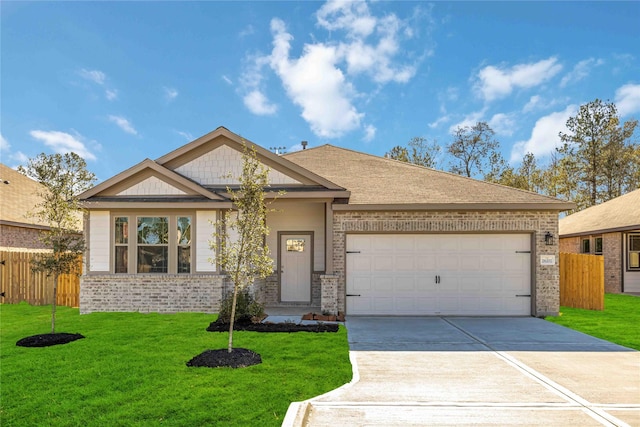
328, 246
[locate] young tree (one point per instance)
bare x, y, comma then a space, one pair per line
472, 147
246, 257
419, 152
63, 177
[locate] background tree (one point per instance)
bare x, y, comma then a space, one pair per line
595, 149
63, 177
246, 257
419, 151
471, 149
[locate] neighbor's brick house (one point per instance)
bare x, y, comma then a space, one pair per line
611, 230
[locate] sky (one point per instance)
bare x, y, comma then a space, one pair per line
118, 82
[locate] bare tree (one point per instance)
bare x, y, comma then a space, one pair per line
472, 147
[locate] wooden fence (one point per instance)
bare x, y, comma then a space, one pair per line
582, 281
20, 283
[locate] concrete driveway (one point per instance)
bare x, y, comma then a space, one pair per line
417, 371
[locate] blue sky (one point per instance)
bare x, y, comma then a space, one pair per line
118, 82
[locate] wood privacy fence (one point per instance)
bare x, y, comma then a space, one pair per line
582, 281
20, 283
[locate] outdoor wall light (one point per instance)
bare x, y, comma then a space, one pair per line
548, 239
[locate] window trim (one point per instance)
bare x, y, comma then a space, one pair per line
629, 251
586, 240
595, 245
172, 245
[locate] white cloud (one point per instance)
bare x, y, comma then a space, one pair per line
369, 133
123, 124
495, 82
247, 31
361, 55
439, 121
4, 144
258, 103
628, 99
62, 142
470, 120
111, 94
227, 80
20, 157
533, 104
314, 83
95, 76
321, 80
503, 124
185, 135
170, 93
544, 136
580, 71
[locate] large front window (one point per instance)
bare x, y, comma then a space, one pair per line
633, 252
153, 244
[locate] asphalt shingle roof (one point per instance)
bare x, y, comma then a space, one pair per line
616, 214
18, 197
376, 180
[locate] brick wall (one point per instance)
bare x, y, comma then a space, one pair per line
19, 238
269, 292
145, 293
612, 252
546, 278
570, 245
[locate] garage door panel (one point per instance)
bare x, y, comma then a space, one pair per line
444, 274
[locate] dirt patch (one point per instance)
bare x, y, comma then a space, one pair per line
46, 340
273, 327
238, 358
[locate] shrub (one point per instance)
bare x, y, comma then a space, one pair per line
247, 308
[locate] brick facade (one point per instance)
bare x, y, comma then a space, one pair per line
20, 238
545, 286
268, 292
146, 293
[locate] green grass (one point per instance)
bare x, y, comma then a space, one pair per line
130, 371
618, 322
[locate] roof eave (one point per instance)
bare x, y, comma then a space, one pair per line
556, 207
205, 204
601, 231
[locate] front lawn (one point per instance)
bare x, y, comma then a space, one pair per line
618, 322
130, 370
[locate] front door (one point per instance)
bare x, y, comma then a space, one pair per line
295, 267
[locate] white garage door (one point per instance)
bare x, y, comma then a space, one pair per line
439, 274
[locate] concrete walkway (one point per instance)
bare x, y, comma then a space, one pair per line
477, 371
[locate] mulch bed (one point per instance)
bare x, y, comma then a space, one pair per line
238, 358
46, 340
273, 327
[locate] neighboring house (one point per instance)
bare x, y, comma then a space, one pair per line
610, 229
354, 233
19, 231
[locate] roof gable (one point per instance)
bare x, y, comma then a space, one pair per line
215, 159
384, 183
147, 178
621, 213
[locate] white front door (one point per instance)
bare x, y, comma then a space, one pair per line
295, 267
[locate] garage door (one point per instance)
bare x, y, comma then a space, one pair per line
439, 274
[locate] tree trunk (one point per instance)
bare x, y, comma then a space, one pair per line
53, 305
233, 318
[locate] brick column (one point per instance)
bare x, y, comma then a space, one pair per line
329, 297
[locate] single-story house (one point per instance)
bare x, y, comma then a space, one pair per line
610, 229
354, 233
19, 195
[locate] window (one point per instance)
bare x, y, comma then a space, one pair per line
153, 244
295, 245
586, 246
633, 252
122, 244
184, 244
597, 243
